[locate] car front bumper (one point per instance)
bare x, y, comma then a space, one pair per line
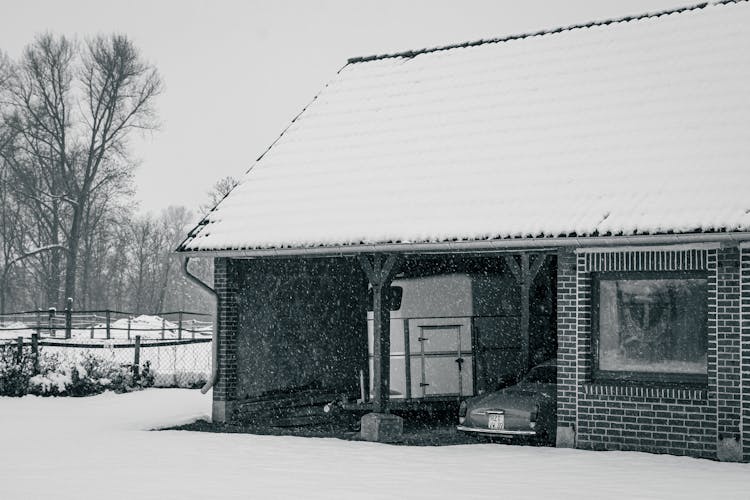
501, 432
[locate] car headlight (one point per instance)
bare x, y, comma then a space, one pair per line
462, 408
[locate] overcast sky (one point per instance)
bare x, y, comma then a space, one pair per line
237, 72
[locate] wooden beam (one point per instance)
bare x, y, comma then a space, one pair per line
364, 262
390, 268
536, 266
525, 306
524, 274
380, 274
510, 261
378, 271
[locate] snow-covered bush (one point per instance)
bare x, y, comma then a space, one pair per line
15, 371
60, 377
147, 375
51, 384
91, 375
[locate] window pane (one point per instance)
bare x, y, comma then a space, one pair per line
653, 325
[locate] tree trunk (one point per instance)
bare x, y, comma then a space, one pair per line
73, 241
2, 292
53, 283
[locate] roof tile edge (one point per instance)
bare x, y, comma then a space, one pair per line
413, 53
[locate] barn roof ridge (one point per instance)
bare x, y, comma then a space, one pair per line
551, 31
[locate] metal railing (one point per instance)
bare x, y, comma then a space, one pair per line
105, 324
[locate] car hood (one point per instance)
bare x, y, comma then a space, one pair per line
519, 396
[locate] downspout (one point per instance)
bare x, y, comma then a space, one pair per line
215, 333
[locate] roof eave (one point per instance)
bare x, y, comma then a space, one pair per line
501, 245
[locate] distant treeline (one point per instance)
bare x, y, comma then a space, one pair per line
67, 224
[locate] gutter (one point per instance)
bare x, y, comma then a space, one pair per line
215, 333
539, 244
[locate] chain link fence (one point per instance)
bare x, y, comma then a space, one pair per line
173, 363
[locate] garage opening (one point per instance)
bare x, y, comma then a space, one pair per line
457, 327
305, 342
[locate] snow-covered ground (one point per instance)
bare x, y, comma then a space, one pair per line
101, 447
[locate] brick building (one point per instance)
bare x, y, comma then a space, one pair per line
607, 161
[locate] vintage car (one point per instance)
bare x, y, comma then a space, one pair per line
527, 409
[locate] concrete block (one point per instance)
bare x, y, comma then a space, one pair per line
729, 449
381, 427
566, 437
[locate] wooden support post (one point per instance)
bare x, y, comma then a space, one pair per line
162, 328
137, 357
38, 321
128, 327
381, 350
525, 289
380, 271
108, 318
92, 330
524, 274
35, 351
68, 317
179, 325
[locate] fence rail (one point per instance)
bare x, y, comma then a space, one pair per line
106, 324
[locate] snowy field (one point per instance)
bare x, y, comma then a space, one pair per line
100, 447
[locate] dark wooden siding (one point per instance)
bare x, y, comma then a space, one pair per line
302, 323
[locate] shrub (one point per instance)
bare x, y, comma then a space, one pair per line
90, 375
146, 376
15, 370
82, 375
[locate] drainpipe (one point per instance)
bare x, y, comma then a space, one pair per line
215, 333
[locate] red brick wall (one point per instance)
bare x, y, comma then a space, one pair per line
728, 351
225, 284
745, 356
663, 419
567, 324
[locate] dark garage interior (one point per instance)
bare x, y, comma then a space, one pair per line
302, 340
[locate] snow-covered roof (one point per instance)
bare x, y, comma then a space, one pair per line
634, 126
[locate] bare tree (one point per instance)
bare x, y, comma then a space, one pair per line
120, 88
175, 222
73, 109
218, 192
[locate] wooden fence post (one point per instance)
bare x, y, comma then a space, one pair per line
92, 330
179, 326
68, 317
35, 351
19, 354
38, 321
162, 328
128, 327
50, 323
137, 357
109, 334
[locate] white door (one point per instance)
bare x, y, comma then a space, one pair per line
438, 366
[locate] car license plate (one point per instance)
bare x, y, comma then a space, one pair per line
497, 421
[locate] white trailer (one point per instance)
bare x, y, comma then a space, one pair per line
439, 325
